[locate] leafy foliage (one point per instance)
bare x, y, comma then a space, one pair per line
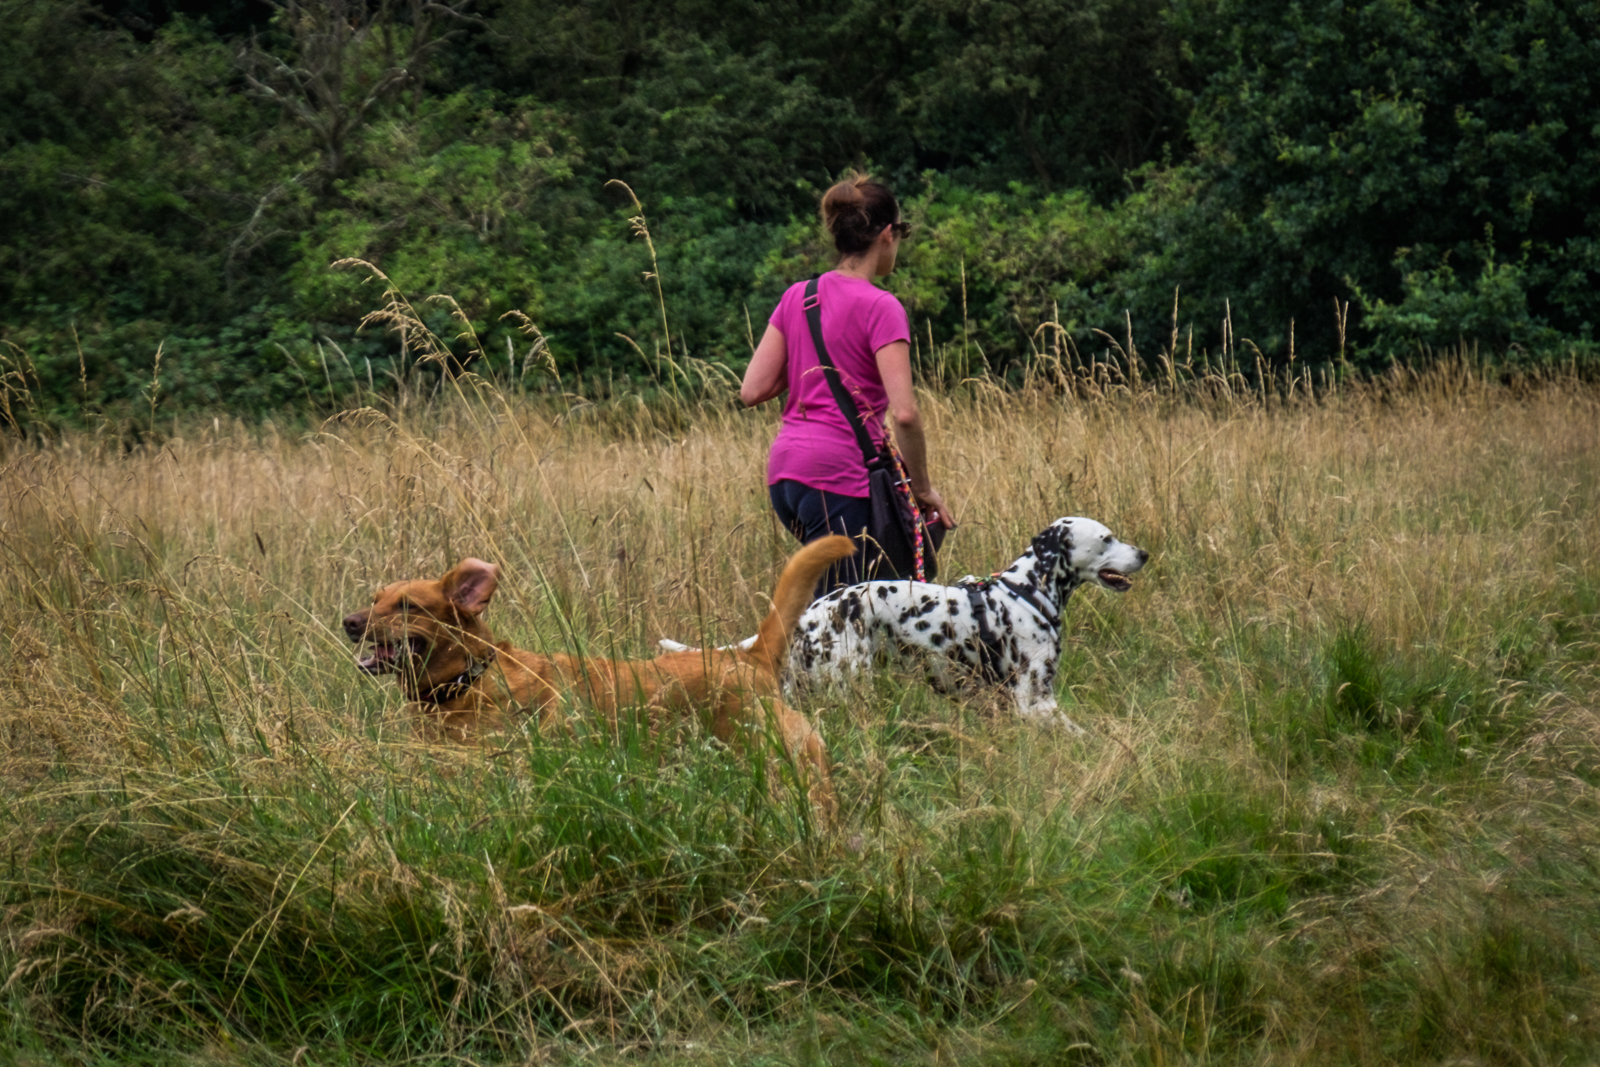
1348, 182
1378, 153
767, 99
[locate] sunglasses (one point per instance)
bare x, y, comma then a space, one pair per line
901, 229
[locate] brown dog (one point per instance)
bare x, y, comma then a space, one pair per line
462, 684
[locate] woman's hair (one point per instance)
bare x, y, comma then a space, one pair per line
855, 211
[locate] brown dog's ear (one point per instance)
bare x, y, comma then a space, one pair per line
471, 585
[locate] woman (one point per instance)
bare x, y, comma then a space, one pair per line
815, 473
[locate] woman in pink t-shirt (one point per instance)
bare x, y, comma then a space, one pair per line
815, 474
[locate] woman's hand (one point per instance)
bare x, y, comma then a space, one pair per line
894, 367
934, 509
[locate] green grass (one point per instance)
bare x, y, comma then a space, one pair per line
1337, 805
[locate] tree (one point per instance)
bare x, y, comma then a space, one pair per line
767, 100
1076, 91
1421, 159
340, 60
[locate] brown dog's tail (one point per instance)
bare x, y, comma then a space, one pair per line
795, 586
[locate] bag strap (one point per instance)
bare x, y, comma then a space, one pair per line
841, 395
871, 455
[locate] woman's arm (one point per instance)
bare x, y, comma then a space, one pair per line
894, 367
767, 375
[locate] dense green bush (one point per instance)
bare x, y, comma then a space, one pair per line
1349, 182
1433, 164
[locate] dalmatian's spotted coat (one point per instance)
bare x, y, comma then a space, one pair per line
1004, 630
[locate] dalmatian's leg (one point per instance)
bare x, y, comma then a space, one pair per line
1035, 693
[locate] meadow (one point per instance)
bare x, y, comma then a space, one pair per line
1337, 803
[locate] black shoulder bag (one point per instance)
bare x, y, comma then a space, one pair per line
909, 544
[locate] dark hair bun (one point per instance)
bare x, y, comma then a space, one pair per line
855, 211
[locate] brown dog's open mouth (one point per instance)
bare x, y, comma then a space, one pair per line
384, 657
1115, 580
380, 660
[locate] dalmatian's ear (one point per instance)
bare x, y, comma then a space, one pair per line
1051, 545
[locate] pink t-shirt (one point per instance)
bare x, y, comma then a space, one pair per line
815, 445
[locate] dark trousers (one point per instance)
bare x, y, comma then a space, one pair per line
812, 513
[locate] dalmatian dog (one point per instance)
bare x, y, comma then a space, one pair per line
1002, 631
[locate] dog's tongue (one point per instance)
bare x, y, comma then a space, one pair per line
1115, 579
380, 659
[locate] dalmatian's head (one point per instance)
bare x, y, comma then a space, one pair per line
1076, 551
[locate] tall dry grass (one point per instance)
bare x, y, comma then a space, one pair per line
1337, 805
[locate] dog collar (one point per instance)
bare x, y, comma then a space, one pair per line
988, 640
459, 684
1035, 599
1033, 596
